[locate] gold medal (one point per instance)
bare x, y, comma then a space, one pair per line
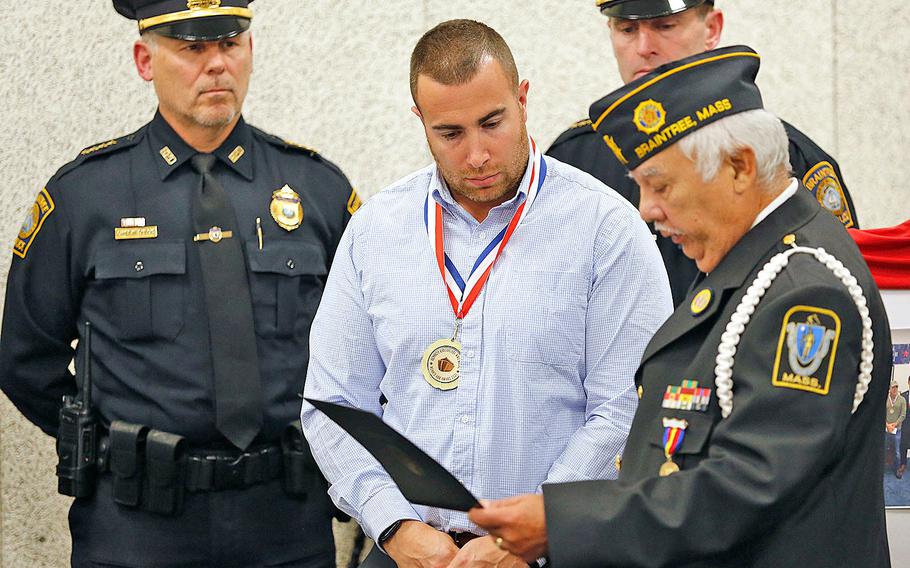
440, 364
669, 467
286, 209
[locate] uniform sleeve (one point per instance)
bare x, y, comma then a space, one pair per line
346, 368
39, 317
629, 300
762, 462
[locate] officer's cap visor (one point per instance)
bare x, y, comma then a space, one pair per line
647, 9
204, 29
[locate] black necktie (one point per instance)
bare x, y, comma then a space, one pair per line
238, 388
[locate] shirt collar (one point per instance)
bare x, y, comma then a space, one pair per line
443, 195
170, 151
777, 202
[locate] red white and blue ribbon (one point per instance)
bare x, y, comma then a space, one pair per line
463, 293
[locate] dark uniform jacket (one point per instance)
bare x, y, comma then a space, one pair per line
791, 477
144, 297
583, 148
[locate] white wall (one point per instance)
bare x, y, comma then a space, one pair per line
333, 75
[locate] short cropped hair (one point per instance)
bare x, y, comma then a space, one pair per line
757, 129
452, 52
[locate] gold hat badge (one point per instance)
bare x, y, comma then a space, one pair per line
286, 209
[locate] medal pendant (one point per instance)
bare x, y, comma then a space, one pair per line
440, 364
669, 467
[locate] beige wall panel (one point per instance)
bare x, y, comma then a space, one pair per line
873, 91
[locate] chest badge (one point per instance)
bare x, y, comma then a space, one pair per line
701, 301
687, 396
286, 209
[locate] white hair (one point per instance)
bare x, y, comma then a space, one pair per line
150, 39
756, 129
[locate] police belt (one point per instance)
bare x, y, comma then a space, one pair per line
219, 470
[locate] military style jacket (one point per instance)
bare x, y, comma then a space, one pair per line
583, 148
791, 477
109, 241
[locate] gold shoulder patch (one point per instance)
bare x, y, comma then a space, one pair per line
96, 147
822, 181
354, 202
581, 123
312, 151
39, 212
810, 336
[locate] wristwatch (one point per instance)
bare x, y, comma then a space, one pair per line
389, 532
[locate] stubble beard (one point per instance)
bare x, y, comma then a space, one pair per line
512, 174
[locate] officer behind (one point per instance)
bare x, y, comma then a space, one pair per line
757, 440
197, 247
649, 33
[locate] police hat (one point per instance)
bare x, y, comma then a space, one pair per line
645, 9
656, 110
191, 20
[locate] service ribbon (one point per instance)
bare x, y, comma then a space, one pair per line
674, 433
463, 293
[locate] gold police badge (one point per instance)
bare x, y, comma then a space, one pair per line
286, 209
649, 116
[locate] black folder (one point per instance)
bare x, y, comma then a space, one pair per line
419, 477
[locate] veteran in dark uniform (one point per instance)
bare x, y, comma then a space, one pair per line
648, 33
197, 248
757, 440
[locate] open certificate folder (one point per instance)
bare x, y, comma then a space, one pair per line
419, 477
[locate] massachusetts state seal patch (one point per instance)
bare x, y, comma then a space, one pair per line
806, 349
39, 212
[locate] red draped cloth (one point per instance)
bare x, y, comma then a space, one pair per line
887, 252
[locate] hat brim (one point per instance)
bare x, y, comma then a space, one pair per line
648, 9
204, 29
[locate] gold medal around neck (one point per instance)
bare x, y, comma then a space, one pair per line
669, 467
440, 364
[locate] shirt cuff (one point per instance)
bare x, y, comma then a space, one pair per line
384, 508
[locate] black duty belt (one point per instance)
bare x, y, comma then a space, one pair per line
219, 470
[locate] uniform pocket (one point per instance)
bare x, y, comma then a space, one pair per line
286, 285
146, 284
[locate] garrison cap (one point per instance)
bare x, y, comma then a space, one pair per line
645, 9
654, 111
191, 20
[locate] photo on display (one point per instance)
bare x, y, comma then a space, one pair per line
897, 424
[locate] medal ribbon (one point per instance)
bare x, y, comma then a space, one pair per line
674, 433
462, 294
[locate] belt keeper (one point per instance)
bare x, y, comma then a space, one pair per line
165, 460
127, 461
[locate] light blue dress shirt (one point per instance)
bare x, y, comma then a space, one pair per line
549, 349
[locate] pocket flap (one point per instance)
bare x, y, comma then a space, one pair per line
140, 260
291, 258
699, 428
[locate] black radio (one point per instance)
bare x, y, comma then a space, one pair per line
77, 436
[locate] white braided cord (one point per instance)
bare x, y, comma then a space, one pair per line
726, 351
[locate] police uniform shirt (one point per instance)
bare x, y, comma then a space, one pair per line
791, 477
144, 295
583, 148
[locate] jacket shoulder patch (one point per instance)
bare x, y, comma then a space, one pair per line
806, 349
822, 181
34, 220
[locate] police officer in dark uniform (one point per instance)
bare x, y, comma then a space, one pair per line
757, 440
197, 248
648, 33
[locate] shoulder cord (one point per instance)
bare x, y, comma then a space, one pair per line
730, 339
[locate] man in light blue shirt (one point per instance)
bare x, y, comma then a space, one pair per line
497, 302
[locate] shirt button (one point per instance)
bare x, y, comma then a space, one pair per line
291, 264
465, 419
470, 354
139, 266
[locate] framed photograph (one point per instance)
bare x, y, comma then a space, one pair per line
897, 434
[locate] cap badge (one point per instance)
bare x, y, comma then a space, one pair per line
286, 209
701, 301
649, 116
203, 4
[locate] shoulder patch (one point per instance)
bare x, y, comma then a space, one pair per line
354, 202
822, 181
37, 214
806, 349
